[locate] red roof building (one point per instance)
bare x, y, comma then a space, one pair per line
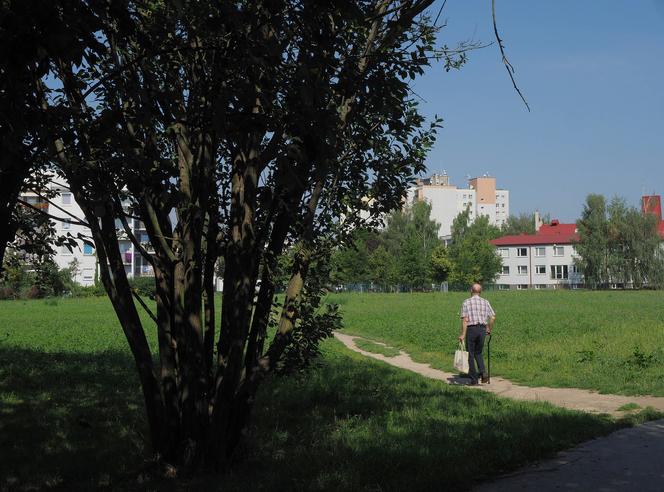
544, 260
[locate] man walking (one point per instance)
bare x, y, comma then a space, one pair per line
475, 313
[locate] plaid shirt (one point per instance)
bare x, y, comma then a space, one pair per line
477, 310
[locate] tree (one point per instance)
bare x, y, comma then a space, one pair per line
351, 262
521, 224
592, 246
618, 245
258, 125
441, 265
383, 268
410, 237
473, 258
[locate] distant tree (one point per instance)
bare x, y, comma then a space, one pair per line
521, 224
410, 237
473, 258
593, 244
634, 256
383, 269
350, 263
441, 265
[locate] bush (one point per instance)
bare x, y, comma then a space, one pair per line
144, 286
87, 290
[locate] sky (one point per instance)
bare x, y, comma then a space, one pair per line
593, 74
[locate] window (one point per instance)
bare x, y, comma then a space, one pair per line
575, 269
522, 269
558, 250
66, 224
505, 271
540, 269
542, 286
522, 286
504, 252
522, 251
66, 198
540, 251
88, 249
559, 272
503, 287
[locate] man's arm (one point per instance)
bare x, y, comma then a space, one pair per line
489, 326
464, 327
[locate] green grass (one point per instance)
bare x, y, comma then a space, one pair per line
612, 342
71, 417
628, 407
376, 348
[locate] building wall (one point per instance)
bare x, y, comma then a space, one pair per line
448, 201
82, 253
524, 271
135, 265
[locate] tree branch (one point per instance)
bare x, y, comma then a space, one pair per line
508, 65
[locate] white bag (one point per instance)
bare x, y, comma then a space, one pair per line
461, 359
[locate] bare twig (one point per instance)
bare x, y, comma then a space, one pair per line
506, 62
59, 219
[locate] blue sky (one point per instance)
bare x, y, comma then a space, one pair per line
593, 74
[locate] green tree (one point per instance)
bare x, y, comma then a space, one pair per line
593, 244
441, 265
259, 125
521, 224
410, 238
633, 247
473, 258
383, 268
350, 263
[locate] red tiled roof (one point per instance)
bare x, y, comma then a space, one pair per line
553, 233
533, 239
557, 229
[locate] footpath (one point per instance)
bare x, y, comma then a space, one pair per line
629, 459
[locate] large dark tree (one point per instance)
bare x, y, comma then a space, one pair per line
236, 130
33, 34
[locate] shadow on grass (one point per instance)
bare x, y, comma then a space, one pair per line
75, 422
68, 420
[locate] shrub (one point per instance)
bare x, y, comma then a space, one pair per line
144, 286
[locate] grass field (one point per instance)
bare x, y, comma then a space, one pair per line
72, 417
612, 342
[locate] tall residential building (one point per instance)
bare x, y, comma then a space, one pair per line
481, 196
64, 207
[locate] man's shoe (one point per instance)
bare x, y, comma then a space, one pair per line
473, 382
485, 379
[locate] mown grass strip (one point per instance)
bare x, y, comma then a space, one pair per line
376, 348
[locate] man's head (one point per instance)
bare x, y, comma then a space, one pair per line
476, 289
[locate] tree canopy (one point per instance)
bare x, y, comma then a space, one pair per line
618, 245
242, 130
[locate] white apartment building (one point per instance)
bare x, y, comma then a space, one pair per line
543, 260
64, 207
447, 201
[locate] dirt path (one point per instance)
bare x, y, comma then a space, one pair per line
572, 398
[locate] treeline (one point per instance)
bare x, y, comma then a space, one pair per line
619, 245
408, 255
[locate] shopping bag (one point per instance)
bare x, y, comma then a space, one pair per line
461, 359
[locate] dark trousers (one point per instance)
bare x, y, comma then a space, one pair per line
474, 344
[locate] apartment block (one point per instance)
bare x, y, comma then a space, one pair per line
481, 197
543, 260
